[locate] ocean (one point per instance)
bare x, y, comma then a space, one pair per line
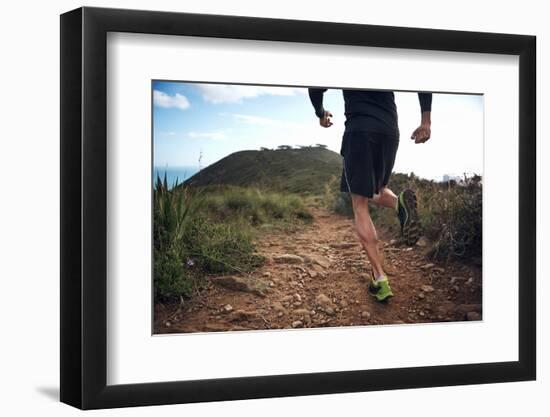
174, 174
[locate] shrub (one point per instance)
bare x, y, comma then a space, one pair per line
451, 214
187, 245
221, 248
171, 213
456, 221
210, 230
171, 277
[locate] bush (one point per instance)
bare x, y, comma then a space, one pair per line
171, 277
455, 221
201, 231
187, 246
221, 248
450, 213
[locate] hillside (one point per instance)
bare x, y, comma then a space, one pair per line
305, 170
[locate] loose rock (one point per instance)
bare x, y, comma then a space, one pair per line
301, 312
454, 280
473, 316
297, 324
288, 258
323, 301
242, 315
329, 311
286, 299
278, 307
317, 260
236, 283
343, 245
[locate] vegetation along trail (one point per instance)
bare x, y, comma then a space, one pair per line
317, 275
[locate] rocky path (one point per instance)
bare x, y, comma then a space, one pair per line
317, 277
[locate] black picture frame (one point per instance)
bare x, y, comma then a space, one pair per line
84, 179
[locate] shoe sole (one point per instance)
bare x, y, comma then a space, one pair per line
411, 227
385, 299
375, 295
381, 300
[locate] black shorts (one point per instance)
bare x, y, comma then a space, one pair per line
368, 159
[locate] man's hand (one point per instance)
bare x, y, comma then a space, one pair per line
423, 132
325, 120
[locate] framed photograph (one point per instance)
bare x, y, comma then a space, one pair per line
257, 207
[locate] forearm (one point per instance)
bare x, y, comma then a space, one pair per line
316, 97
425, 100
423, 132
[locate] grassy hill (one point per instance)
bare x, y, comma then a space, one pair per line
304, 171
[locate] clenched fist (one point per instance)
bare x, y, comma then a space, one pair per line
325, 120
422, 133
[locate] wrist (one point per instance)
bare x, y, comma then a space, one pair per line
426, 118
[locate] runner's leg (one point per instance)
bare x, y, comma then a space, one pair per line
367, 232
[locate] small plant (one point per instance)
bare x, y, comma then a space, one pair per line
172, 213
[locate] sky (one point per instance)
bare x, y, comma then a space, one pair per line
198, 124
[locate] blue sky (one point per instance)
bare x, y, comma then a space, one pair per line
193, 121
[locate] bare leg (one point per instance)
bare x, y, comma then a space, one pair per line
367, 232
385, 198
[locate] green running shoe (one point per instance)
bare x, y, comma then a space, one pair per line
408, 216
380, 289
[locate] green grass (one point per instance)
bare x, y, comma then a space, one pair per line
211, 230
252, 206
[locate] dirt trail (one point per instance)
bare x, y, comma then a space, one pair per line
317, 277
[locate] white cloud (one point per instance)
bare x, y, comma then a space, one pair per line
167, 133
217, 134
222, 93
166, 101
